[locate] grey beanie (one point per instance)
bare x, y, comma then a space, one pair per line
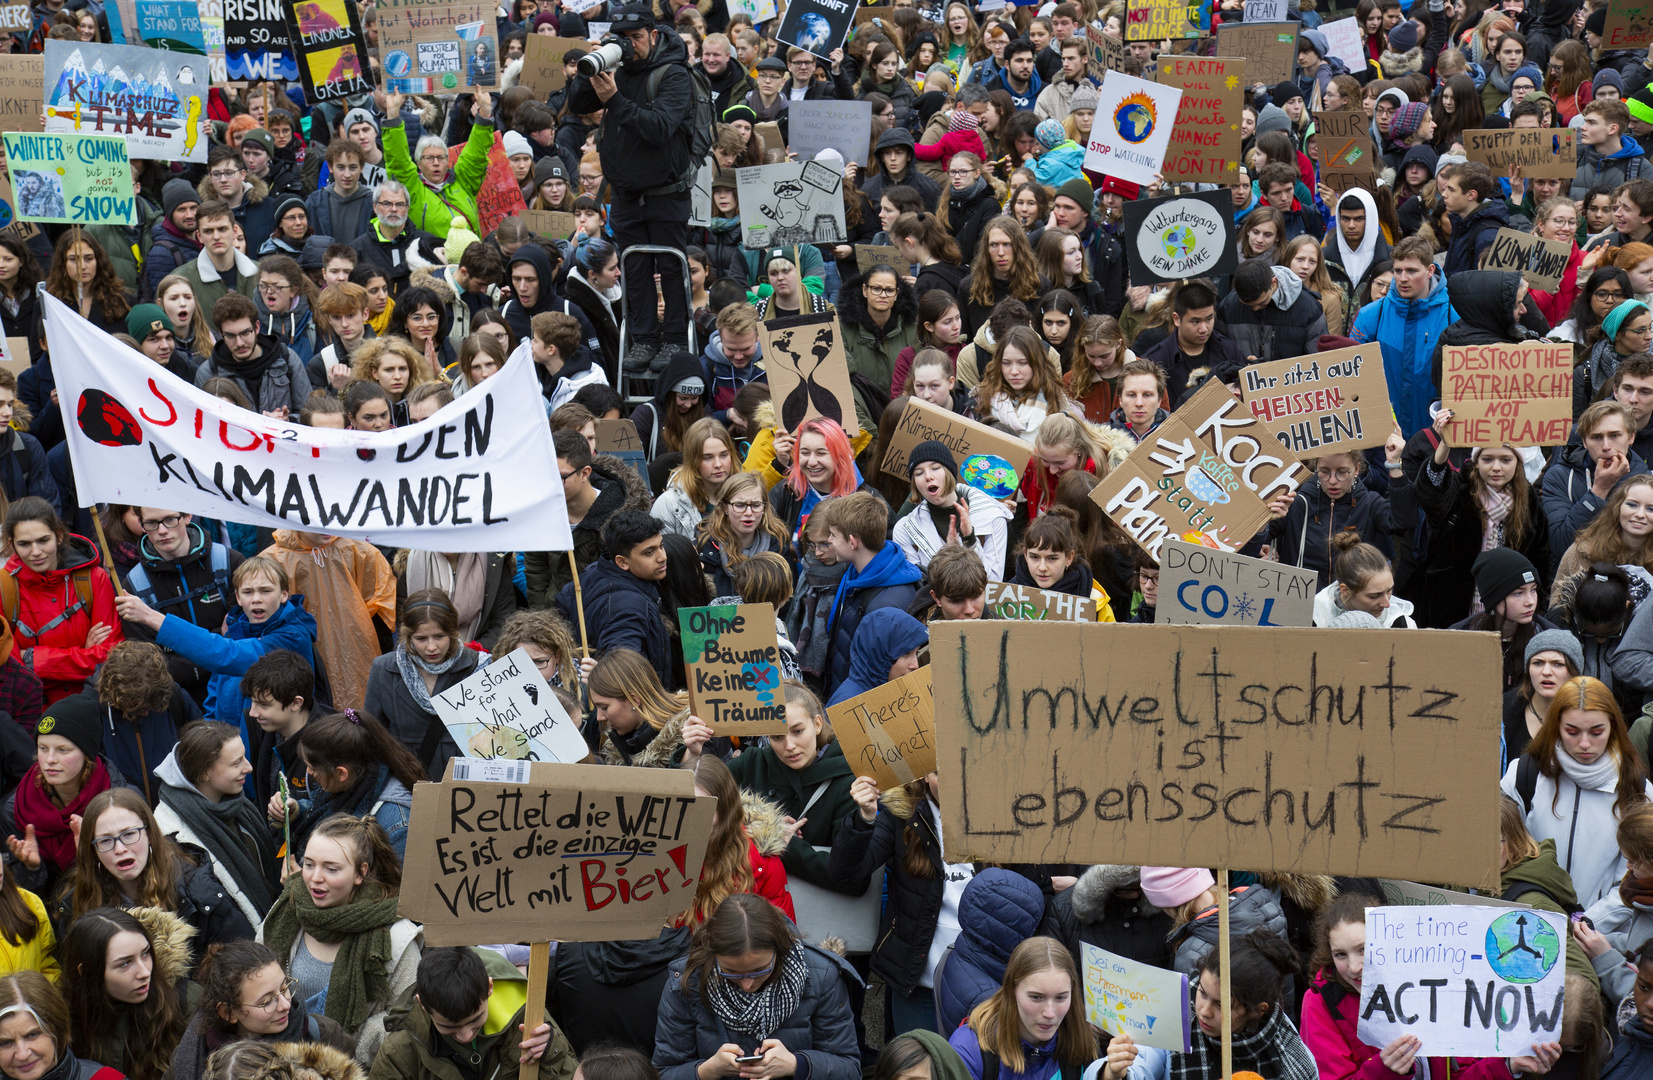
176, 193
1560, 641
359, 116
1356, 620
1272, 118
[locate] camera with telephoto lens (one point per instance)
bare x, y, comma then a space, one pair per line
614, 51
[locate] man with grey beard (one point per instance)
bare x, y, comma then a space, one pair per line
389, 240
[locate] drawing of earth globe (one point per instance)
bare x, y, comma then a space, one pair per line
1522, 947
813, 32
1134, 122
398, 63
989, 473
1179, 241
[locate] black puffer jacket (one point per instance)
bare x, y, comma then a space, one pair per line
1484, 301
1094, 911
1289, 325
1455, 540
642, 143
609, 991
914, 905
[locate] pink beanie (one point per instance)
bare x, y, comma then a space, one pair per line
963, 120
1168, 887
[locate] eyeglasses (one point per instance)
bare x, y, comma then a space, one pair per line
391, 204
565, 475
169, 522
1609, 294
242, 335
431, 159
737, 976
272, 289
881, 290
127, 839
222, 174
268, 1002
746, 507
961, 172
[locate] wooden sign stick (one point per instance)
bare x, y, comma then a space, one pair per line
533, 1011
108, 558
1222, 959
579, 607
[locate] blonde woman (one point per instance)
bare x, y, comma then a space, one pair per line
740, 526
1308, 262
641, 722
396, 366
709, 459
191, 330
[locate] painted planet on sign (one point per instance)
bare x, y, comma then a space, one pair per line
398, 63
1182, 238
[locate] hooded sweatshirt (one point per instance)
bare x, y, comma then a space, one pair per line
1289, 325
246, 867
1596, 169
723, 379
1356, 261
884, 637
519, 317
343, 217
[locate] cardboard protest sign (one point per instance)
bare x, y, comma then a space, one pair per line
1541, 262
1200, 585
1325, 403
844, 126
808, 375
1398, 893
868, 256
558, 224
1343, 38
1156, 20
817, 26
1180, 236
1234, 746
1349, 159
327, 41
22, 85
1205, 142
734, 667
542, 70
1469, 981
772, 142
1133, 127
212, 32
1542, 153
888, 733
620, 438
437, 48
1107, 53
175, 25
1629, 25
255, 41
976, 448
795, 202
15, 19
700, 194
154, 100
574, 853
1209, 468
507, 710
1520, 395
70, 179
1127, 997
1010, 601
1270, 49
1265, 11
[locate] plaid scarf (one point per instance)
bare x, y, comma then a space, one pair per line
761, 1013
1274, 1051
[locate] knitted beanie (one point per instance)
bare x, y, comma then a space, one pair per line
932, 450
1050, 134
176, 193
1500, 572
1408, 119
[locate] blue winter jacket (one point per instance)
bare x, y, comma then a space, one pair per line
1060, 164
883, 637
1407, 331
623, 612
888, 581
998, 911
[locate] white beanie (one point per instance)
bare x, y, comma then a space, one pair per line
516, 145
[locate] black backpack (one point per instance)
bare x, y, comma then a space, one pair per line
702, 118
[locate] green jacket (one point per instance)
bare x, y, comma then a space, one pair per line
868, 358
431, 209
759, 771
1547, 874
409, 1050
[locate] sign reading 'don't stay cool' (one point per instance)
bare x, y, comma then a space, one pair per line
1198, 585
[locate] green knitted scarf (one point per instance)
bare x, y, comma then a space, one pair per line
361, 971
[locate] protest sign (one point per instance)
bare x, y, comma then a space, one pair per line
1205, 142
1107, 53
1325, 403
22, 86
700, 195
21, 231
507, 710
212, 32
572, 853
1200, 585
1541, 262
453, 482
1542, 153
620, 438
1350, 161
888, 733
1009, 601
1411, 894
1133, 127
555, 224
542, 70
1270, 49
1344, 40
734, 666
817, 26
1180, 236
500, 196
437, 48
971, 444
795, 202
1265, 11
15, 19
1234, 746
843, 126
1156, 20
176, 25
326, 39
255, 41
596, 31
1519, 395
1127, 997
759, 11
1208, 468
772, 142
868, 256
808, 375
1629, 25
1469, 981
155, 100
70, 179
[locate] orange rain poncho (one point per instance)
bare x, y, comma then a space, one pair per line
345, 584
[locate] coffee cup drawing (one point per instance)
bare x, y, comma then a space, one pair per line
1204, 487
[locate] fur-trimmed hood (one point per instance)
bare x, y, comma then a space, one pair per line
765, 823
255, 194
169, 937
435, 283
1397, 64
1096, 887
1116, 445
1309, 892
852, 307
661, 751
638, 495
318, 1061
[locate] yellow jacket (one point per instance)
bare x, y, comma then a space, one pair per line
761, 458
1104, 606
37, 953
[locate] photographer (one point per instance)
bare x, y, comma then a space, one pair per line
644, 145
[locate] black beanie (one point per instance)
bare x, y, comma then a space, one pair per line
1597, 22
76, 718
1500, 572
932, 450
1284, 93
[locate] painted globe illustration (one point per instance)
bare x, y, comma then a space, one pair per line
398, 63
1179, 241
813, 33
1134, 120
991, 474
1522, 947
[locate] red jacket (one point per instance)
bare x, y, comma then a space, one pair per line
61, 658
1556, 305
954, 142
769, 880
1039, 486
1330, 1016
